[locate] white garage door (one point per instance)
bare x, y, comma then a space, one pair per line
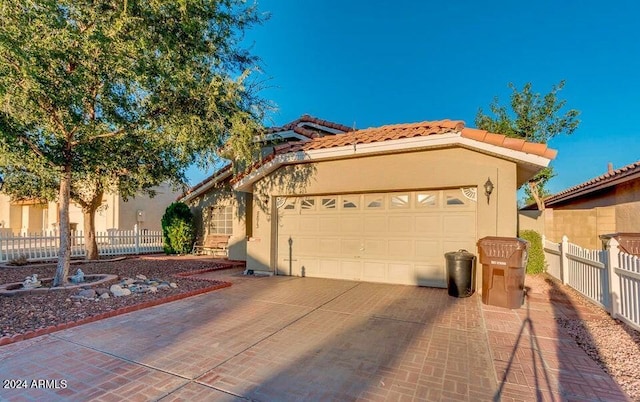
398, 237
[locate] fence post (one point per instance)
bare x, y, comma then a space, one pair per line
1, 256
136, 234
614, 280
564, 261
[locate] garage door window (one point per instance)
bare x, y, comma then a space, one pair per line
308, 204
426, 199
350, 202
374, 201
329, 203
455, 198
399, 201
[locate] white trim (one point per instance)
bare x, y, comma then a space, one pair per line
388, 147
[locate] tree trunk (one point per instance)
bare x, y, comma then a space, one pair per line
64, 253
535, 193
89, 214
90, 244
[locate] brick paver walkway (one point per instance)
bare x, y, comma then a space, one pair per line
282, 338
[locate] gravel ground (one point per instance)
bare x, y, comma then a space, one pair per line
614, 345
21, 313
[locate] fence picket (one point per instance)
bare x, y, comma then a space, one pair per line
44, 246
610, 278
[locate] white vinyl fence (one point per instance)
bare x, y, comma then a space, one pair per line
44, 246
610, 278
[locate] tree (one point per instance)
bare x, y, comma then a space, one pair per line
115, 95
534, 118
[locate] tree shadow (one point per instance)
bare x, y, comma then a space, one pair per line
538, 362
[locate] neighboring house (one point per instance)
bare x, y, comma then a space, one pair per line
381, 204
609, 203
26, 217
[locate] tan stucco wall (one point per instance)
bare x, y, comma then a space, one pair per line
531, 220
433, 169
223, 196
583, 220
152, 209
581, 226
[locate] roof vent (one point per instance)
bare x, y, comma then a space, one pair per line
610, 167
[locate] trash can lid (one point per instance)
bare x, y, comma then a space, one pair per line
459, 255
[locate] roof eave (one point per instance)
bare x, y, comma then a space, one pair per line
389, 147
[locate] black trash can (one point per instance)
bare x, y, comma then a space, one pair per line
461, 273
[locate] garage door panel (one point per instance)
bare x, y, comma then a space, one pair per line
329, 246
329, 224
401, 248
309, 224
401, 224
351, 270
428, 249
350, 247
428, 274
308, 267
382, 241
374, 271
375, 224
428, 225
400, 273
329, 268
374, 248
351, 225
459, 223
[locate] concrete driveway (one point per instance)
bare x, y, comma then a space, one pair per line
269, 339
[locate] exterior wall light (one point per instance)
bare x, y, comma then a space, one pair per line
488, 188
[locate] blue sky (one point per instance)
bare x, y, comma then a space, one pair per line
370, 63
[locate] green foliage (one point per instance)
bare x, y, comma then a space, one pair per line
107, 96
534, 118
178, 229
536, 263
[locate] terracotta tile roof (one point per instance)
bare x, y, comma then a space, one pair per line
297, 126
628, 172
399, 131
196, 187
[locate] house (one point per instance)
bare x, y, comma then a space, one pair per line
380, 204
606, 204
35, 216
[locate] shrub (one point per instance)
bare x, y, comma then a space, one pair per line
178, 229
536, 263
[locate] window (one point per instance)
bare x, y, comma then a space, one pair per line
374, 201
308, 204
426, 199
290, 203
350, 202
328, 203
221, 220
400, 201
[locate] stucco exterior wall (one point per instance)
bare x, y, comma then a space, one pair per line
151, 208
223, 196
434, 169
531, 220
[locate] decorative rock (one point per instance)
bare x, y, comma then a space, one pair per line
141, 277
153, 289
105, 295
87, 294
128, 281
173, 285
101, 291
31, 282
78, 277
118, 291
163, 285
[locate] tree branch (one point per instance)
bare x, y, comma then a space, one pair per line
105, 135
